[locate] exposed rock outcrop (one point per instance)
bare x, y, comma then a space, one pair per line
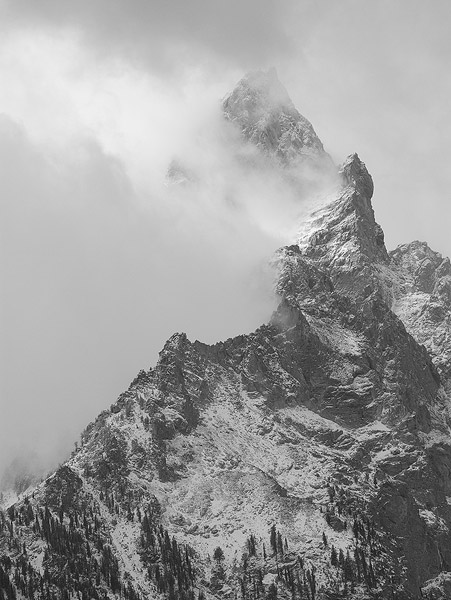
260, 106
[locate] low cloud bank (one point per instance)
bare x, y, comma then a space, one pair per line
103, 256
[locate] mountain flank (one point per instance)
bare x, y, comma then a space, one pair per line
310, 459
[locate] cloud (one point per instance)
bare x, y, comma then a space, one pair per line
101, 263
103, 260
373, 77
163, 35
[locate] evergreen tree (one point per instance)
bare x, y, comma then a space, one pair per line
279, 543
271, 594
218, 555
273, 539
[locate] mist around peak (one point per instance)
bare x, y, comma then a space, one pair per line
106, 259
22, 473
261, 107
260, 89
227, 175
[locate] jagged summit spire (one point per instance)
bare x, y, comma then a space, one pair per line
342, 235
261, 107
354, 172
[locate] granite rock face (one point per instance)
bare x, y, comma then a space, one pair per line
260, 106
422, 299
315, 451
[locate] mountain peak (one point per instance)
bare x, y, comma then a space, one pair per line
342, 235
262, 88
263, 110
355, 173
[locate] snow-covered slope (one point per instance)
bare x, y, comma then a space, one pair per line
314, 452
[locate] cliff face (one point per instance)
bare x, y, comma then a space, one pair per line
260, 106
422, 299
315, 452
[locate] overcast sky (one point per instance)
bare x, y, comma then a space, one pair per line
99, 265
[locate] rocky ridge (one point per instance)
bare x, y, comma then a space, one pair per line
315, 452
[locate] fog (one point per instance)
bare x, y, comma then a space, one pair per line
106, 257
102, 259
